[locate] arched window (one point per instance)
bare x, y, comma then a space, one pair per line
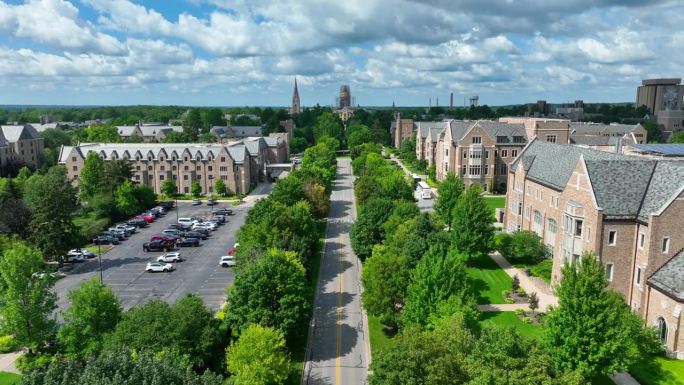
661, 325
537, 217
552, 225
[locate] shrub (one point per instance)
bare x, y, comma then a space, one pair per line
509, 300
528, 246
8, 344
28, 362
505, 293
515, 283
543, 270
502, 244
527, 320
520, 312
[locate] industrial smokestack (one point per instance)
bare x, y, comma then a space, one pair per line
451, 101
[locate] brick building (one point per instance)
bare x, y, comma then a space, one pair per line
401, 129
20, 145
628, 210
239, 164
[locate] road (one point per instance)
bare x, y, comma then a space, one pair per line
123, 267
338, 350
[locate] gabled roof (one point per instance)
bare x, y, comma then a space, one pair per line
669, 279
126, 131
16, 133
497, 129
245, 131
40, 127
667, 181
594, 140
600, 129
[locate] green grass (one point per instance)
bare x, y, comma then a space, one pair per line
9, 378
510, 319
432, 183
602, 380
659, 371
537, 269
94, 248
378, 338
495, 202
488, 280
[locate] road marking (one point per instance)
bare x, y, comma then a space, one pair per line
338, 368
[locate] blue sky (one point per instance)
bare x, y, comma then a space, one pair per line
247, 52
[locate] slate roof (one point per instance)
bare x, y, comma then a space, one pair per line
625, 187
599, 129
499, 129
3, 141
245, 131
40, 127
125, 130
22, 132
117, 150
591, 140
425, 129
670, 277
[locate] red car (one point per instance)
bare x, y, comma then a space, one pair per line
164, 238
147, 218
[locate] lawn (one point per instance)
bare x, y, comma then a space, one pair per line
495, 202
9, 378
378, 338
659, 371
510, 319
488, 280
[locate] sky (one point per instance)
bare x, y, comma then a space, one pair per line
248, 52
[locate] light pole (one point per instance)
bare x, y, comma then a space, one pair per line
99, 256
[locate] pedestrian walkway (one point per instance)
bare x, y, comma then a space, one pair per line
543, 290
496, 307
8, 362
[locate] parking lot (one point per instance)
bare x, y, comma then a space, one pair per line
123, 267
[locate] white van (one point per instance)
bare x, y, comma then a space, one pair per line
424, 190
187, 221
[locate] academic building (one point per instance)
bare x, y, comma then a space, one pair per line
628, 210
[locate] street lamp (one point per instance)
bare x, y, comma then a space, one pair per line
99, 256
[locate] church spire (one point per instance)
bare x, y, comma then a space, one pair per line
296, 106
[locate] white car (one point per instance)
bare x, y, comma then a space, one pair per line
187, 221
204, 225
85, 253
71, 258
157, 266
227, 261
170, 257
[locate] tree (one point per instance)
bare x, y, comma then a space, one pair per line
214, 117
169, 189
207, 137
318, 198
94, 312
367, 230
358, 135
472, 223
125, 199
220, 187
439, 276
289, 191
101, 133
527, 246
449, 191
116, 171
145, 196
52, 201
384, 278
192, 124
298, 145
196, 189
328, 124
14, 214
592, 331
515, 283
533, 302
271, 292
677, 137
91, 180
259, 357
27, 301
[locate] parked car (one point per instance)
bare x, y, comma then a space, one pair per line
105, 240
125, 227
227, 261
153, 267
170, 257
138, 222
196, 202
222, 211
215, 221
233, 249
43, 274
159, 209
187, 221
188, 242
172, 232
158, 245
163, 237
119, 232
220, 218
85, 253
167, 204
204, 225
212, 202
114, 234
73, 258
146, 218
196, 234
152, 213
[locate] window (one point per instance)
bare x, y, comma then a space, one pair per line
224, 177
537, 217
504, 169
575, 259
475, 169
552, 226
661, 325
638, 276
477, 139
223, 159
514, 153
209, 168
642, 238
186, 189
518, 139
186, 168
175, 177
199, 168
150, 177
185, 177
486, 154
551, 138
504, 153
137, 168
486, 172
75, 168
666, 245
73, 158
464, 169
161, 168
578, 227
520, 208
609, 272
223, 168
199, 177
149, 168
210, 176
161, 177
476, 155
612, 238
446, 152
173, 168
465, 154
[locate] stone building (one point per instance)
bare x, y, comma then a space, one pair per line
296, 105
401, 129
22, 146
626, 209
239, 164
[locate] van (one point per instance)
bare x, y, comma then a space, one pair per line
424, 190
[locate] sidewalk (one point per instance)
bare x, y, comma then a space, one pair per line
497, 307
544, 291
7, 362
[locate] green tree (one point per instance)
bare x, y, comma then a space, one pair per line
52, 200
289, 191
116, 171
472, 223
449, 191
196, 189
94, 312
592, 331
145, 196
124, 197
271, 292
214, 117
169, 188
14, 214
102, 133
439, 276
192, 123
318, 198
357, 135
367, 230
91, 180
677, 137
384, 278
220, 187
328, 124
27, 301
259, 357
23, 175
298, 145
526, 245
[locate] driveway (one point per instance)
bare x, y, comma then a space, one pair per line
123, 267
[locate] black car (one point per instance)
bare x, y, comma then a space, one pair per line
196, 235
105, 240
119, 236
212, 202
222, 211
139, 222
159, 245
188, 242
167, 204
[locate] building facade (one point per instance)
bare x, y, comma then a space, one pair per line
24, 146
401, 129
626, 209
660, 95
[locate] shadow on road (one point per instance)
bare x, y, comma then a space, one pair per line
321, 352
93, 265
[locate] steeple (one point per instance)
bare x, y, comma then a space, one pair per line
296, 106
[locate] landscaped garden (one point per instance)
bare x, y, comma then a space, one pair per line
488, 280
659, 371
510, 319
9, 378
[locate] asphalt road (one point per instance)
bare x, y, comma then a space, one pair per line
123, 267
338, 347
